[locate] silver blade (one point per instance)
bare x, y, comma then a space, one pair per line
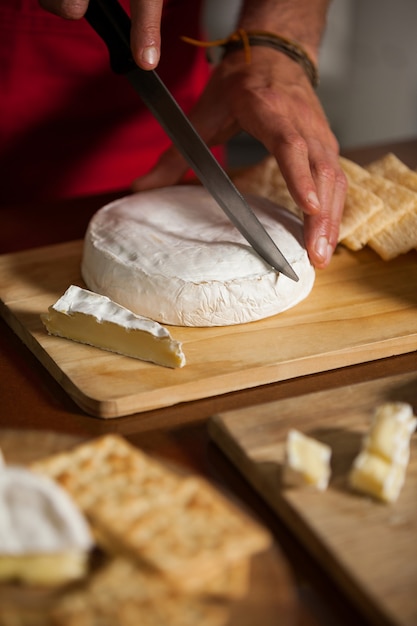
184, 136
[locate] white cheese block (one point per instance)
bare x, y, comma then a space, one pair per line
173, 256
377, 477
307, 461
44, 538
390, 432
90, 318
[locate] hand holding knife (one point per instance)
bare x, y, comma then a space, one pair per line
112, 23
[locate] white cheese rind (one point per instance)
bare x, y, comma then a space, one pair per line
172, 255
38, 517
90, 318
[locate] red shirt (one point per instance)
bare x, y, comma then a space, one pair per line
70, 126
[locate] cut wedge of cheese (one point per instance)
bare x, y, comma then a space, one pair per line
90, 318
44, 538
307, 461
173, 256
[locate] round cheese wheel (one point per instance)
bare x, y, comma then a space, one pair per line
172, 255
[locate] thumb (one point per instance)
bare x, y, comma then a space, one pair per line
145, 38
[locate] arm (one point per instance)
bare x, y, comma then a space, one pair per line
272, 99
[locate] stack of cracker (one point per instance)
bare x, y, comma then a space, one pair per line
178, 552
380, 208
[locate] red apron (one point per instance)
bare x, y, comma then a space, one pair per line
68, 125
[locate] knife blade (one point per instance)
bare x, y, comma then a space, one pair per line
112, 24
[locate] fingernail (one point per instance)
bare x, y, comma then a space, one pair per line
150, 55
313, 200
323, 248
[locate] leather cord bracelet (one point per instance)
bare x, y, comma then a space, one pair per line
242, 39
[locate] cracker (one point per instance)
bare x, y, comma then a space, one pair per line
266, 179
354, 172
360, 205
197, 532
391, 167
397, 202
398, 238
123, 594
177, 525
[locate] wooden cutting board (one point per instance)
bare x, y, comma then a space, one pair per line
369, 548
361, 308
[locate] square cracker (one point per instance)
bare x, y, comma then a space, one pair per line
265, 179
178, 525
398, 238
360, 205
391, 167
122, 594
398, 201
354, 172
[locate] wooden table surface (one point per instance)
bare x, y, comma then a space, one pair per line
30, 398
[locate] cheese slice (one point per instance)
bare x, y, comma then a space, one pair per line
44, 538
307, 461
90, 318
172, 255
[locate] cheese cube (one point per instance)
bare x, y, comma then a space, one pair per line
307, 461
390, 432
377, 477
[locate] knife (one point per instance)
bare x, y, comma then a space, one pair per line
111, 22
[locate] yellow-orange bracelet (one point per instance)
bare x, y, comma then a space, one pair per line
242, 39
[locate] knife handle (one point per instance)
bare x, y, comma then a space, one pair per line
112, 23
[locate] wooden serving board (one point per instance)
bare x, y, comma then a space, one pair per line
270, 590
360, 309
368, 547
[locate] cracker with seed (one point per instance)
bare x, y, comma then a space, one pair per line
391, 167
177, 525
197, 532
123, 594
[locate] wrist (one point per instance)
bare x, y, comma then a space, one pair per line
298, 20
247, 40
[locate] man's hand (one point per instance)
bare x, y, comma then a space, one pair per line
272, 100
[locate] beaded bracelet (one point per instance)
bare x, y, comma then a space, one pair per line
242, 39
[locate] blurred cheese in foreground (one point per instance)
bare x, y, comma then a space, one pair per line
377, 477
44, 538
390, 432
380, 468
307, 461
87, 317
